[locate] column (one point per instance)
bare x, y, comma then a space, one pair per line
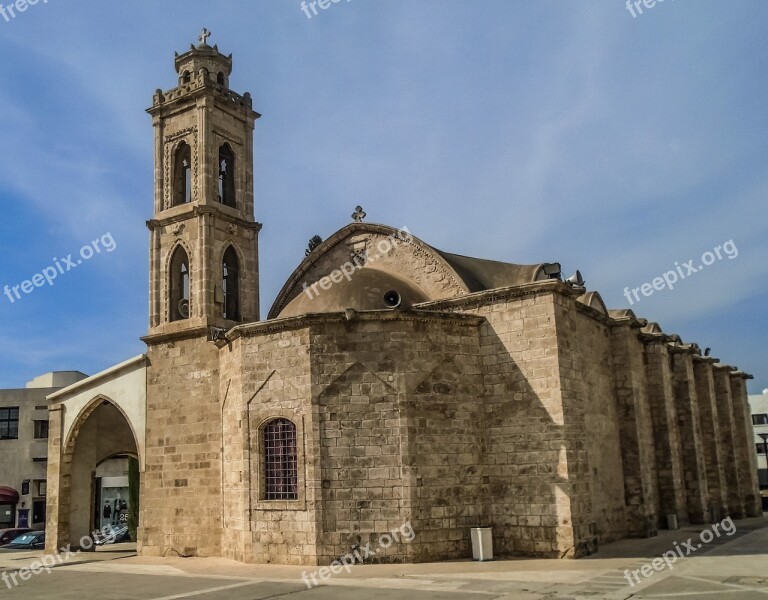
691, 446
665, 431
734, 504
710, 433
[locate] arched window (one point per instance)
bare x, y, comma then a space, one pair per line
226, 176
185, 77
220, 78
231, 285
178, 285
182, 187
280, 461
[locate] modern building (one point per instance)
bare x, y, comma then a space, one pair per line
391, 384
759, 407
24, 449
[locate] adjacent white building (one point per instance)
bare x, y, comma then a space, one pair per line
759, 408
24, 449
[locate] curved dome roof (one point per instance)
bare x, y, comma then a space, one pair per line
428, 273
364, 290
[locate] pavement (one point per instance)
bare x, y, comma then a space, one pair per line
713, 566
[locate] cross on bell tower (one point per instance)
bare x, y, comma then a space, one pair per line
204, 238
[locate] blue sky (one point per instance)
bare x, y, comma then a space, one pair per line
522, 131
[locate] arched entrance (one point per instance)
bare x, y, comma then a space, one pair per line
95, 469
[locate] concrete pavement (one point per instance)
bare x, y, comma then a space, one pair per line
729, 566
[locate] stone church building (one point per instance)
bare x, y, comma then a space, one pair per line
391, 383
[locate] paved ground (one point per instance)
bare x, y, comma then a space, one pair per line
732, 567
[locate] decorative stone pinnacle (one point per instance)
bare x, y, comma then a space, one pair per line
358, 215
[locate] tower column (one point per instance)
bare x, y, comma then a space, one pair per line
194, 225
190, 231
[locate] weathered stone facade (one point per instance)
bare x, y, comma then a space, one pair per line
422, 387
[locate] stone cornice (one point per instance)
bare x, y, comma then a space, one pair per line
308, 320
680, 348
627, 321
742, 375
706, 359
173, 336
197, 210
594, 313
141, 359
656, 338
548, 286
202, 86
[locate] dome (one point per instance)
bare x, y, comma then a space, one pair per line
434, 275
363, 290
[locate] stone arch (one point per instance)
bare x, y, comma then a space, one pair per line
240, 281
179, 243
257, 419
228, 243
86, 412
227, 190
183, 174
101, 430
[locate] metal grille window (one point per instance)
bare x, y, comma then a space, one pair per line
280, 461
9, 423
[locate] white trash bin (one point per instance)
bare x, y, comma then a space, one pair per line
482, 543
672, 522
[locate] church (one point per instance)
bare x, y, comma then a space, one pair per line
391, 383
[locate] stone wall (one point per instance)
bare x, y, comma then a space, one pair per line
532, 480
710, 431
666, 435
592, 428
534, 414
388, 419
399, 403
268, 377
745, 454
735, 499
641, 487
57, 492
181, 489
691, 441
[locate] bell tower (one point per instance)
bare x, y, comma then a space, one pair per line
204, 238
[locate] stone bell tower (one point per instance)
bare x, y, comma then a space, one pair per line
204, 239
203, 275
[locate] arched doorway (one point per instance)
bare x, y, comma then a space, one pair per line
116, 502
94, 470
